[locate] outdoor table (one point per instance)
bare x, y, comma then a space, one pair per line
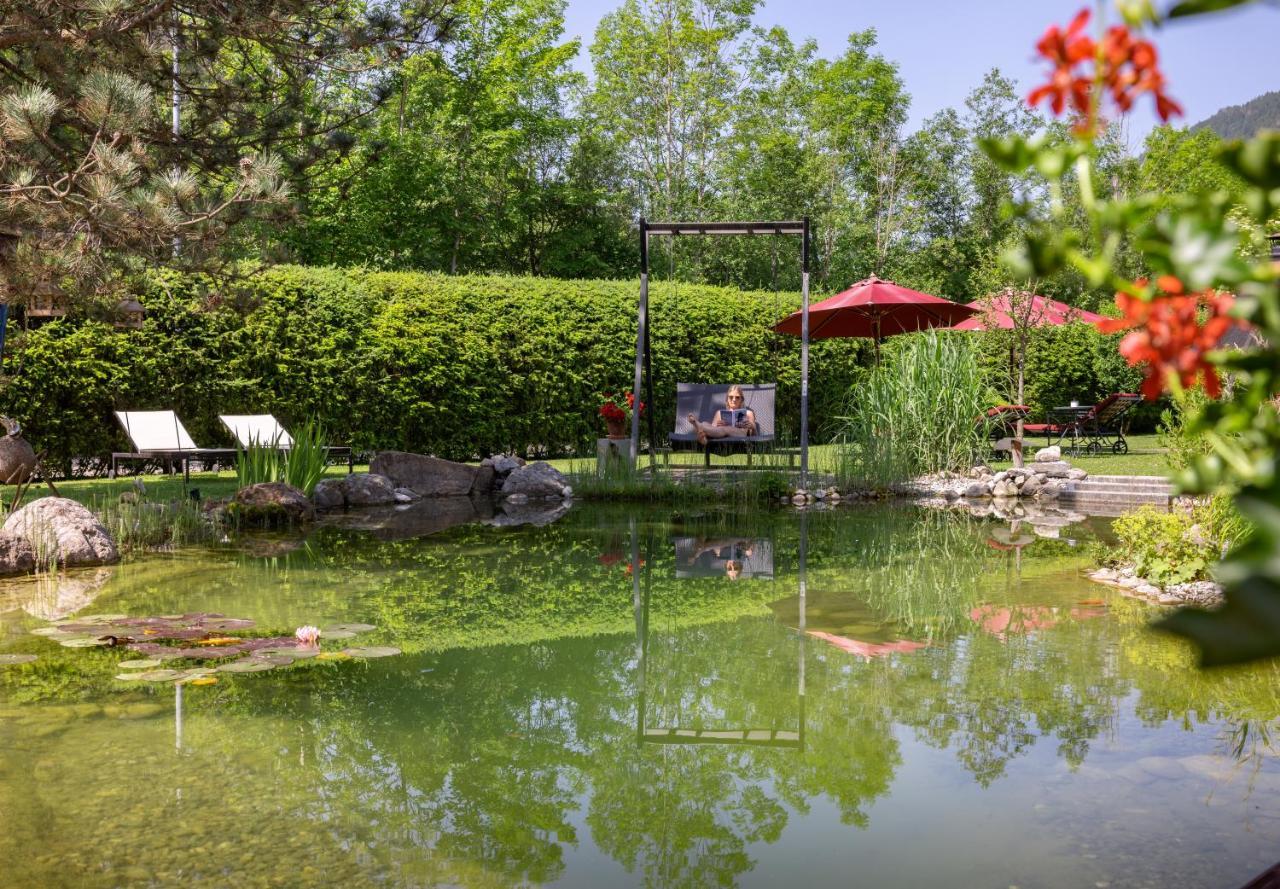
1071, 419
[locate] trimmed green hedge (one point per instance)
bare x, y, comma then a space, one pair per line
455, 366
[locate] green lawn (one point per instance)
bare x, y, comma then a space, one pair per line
1145, 457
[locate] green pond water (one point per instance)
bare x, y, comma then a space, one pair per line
876, 696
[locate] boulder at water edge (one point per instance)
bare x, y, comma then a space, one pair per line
63, 531
536, 481
271, 504
16, 554
428, 476
353, 491
1051, 454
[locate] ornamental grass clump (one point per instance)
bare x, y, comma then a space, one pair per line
302, 465
920, 411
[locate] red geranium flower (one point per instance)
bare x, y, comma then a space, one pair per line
1065, 49
1167, 335
1125, 66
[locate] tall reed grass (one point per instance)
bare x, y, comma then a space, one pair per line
922, 410
301, 465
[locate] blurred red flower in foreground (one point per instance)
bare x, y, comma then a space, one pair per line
1168, 337
1125, 66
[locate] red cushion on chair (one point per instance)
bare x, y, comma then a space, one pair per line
1041, 427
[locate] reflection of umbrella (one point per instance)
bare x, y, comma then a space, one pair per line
1038, 311
875, 309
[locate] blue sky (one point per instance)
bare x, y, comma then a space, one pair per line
943, 47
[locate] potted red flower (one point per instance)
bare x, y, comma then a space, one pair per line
616, 410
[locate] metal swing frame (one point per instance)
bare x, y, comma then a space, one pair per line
643, 378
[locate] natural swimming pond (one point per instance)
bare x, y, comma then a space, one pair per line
645, 698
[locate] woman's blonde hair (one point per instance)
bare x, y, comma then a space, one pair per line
735, 390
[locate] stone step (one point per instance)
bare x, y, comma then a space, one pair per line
1136, 479
1143, 483
1091, 485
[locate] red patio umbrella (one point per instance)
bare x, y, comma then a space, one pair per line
1040, 311
874, 308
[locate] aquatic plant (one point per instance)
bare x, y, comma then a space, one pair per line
202, 637
258, 464
305, 461
920, 411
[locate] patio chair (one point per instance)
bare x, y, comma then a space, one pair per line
160, 436
1103, 427
265, 430
1001, 424
704, 399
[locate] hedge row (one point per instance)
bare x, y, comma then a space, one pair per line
455, 366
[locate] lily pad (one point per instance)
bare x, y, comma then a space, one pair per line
275, 660
246, 666
159, 675
189, 675
47, 631
97, 618
204, 680
144, 664
332, 656
293, 652
10, 660
129, 677
345, 628
337, 634
83, 642
372, 651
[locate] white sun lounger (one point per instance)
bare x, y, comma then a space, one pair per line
265, 430
160, 435
257, 429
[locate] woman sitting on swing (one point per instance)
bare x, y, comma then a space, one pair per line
734, 421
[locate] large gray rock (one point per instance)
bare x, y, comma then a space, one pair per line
16, 554
977, 491
536, 481
272, 503
63, 532
1051, 454
1055, 469
358, 489
505, 464
426, 476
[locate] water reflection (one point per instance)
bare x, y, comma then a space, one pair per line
1033, 732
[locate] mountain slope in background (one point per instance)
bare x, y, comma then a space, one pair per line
1244, 121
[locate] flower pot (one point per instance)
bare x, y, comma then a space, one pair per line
616, 427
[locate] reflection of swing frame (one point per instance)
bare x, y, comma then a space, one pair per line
752, 737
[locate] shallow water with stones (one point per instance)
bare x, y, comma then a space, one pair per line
642, 698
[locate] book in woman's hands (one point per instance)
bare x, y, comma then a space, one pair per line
733, 417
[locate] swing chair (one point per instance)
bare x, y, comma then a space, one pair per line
698, 399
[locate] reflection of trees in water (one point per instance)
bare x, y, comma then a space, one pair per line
474, 765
